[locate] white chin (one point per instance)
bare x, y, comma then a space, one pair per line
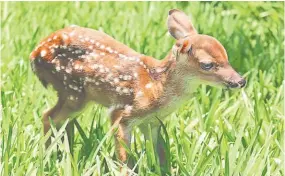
214, 84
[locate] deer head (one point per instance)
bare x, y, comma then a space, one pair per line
200, 56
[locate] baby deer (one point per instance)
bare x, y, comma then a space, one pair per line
85, 65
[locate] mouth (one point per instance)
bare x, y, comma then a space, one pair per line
232, 85
228, 87
225, 84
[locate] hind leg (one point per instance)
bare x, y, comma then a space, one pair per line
64, 107
119, 119
122, 133
51, 113
70, 134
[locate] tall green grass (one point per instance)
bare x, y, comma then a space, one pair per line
218, 132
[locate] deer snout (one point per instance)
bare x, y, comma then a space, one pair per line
231, 78
240, 83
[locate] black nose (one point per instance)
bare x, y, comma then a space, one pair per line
232, 84
242, 83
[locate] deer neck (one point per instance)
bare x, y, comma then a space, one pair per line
178, 81
173, 75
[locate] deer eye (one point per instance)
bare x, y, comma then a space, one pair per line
206, 66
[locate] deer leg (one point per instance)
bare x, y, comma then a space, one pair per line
144, 129
51, 113
59, 113
122, 133
70, 134
156, 142
161, 154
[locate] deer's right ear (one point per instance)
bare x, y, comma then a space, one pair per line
179, 25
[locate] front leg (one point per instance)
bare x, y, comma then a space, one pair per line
157, 143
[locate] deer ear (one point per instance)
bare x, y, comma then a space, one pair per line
181, 46
179, 25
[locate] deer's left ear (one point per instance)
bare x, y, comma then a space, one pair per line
179, 25
182, 46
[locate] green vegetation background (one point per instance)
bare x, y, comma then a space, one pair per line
218, 132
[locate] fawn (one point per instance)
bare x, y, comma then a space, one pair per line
86, 65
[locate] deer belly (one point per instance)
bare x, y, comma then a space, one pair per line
161, 112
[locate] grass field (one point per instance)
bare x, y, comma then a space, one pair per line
218, 132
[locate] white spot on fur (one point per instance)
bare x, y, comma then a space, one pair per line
139, 94
78, 51
148, 85
101, 70
116, 80
94, 55
136, 75
95, 66
102, 46
118, 89
64, 36
109, 76
122, 56
71, 97
125, 77
128, 108
103, 80
68, 70
76, 66
109, 50
43, 53
71, 33
126, 90
117, 66
63, 46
